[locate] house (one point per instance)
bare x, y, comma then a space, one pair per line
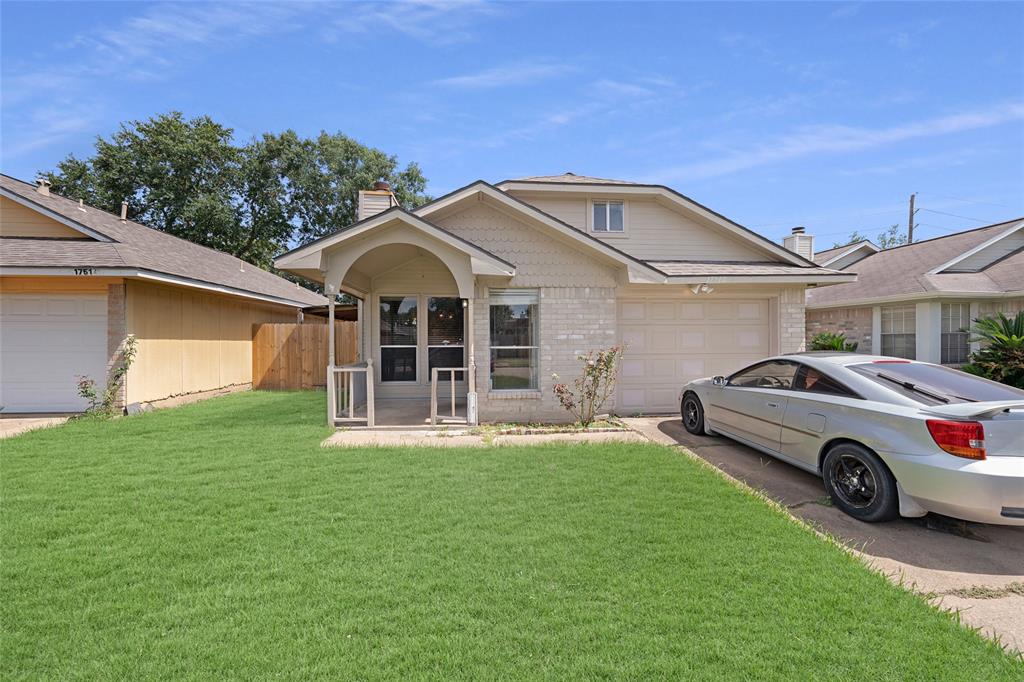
510, 282
75, 281
918, 300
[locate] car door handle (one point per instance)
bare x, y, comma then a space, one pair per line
775, 405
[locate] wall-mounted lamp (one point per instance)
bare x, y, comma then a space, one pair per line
698, 289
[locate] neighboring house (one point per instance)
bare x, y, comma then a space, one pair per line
512, 281
75, 281
918, 300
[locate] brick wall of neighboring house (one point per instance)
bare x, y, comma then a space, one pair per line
855, 323
792, 320
1009, 306
117, 330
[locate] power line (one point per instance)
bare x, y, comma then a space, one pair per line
954, 215
966, 201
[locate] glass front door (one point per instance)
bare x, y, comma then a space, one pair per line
404, 347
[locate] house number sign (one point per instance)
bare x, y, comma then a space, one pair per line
85, 271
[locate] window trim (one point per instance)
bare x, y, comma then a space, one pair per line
382, 346
491, 347
882, 333
607, 233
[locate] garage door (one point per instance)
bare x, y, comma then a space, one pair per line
669, 342
46, 342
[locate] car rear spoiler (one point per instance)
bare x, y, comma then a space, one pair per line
982, 410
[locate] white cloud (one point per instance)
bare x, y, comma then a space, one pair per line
832, 139
519, 73
436, 22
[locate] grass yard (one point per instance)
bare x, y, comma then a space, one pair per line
218, 541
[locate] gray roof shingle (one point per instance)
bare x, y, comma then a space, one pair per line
573, 179
712, 268
902, 271
136, 246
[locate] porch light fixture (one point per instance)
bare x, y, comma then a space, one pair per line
698, 289
465, 303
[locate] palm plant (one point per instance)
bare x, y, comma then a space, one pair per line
1001, 357
833, 341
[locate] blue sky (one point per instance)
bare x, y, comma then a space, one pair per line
826, 115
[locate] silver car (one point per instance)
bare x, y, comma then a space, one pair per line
888, 436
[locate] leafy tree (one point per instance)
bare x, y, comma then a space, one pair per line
189, 178
886, 238
1001, 358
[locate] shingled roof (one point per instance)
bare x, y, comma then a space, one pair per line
133, 246
912, 270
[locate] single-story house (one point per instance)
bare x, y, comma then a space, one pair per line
75, 281
918, 300
510, 282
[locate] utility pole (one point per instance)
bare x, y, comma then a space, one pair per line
910, 220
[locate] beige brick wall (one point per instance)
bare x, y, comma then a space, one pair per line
791, 320
573, 320
1010, 306
855, 323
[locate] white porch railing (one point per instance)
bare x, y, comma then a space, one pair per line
453, 417
349, 391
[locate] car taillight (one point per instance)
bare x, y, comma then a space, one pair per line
963, 439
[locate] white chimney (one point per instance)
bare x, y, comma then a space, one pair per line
800, 243
124, 211
43, 186
376, 200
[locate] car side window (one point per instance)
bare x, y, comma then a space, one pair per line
773, 374
814, 381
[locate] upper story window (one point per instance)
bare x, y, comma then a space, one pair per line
609, 216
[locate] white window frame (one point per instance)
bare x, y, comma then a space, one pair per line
443, 377
607, 202
535, 347
963, 320
382, 346
905, 312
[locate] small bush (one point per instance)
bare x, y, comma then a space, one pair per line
832, 341
594, 387
1001, 357
104, 405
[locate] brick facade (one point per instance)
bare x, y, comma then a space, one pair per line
855, 323
117, 330
573, 320
791, 320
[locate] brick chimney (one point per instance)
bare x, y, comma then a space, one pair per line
376, 200
800, 243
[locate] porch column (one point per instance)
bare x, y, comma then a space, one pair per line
329, 290
471, 407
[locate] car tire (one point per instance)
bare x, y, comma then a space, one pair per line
692, 413
860, 484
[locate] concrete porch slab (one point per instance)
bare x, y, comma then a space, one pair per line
450, 438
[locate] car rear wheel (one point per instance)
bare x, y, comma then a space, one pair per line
693, 414
860, 484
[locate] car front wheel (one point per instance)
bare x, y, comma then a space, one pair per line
860, 484
693, 414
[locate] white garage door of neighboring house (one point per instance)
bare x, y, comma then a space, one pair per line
46, 342
669, 342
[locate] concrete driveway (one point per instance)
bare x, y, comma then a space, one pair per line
975, 568
12, 425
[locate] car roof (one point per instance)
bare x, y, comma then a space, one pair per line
842, 359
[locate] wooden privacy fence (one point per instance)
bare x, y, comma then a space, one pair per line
294, 356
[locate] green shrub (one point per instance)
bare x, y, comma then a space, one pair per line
1001, 357
832, 341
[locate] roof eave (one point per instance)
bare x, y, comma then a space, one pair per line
917, 296
819, 280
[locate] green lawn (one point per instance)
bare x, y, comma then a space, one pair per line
218, 540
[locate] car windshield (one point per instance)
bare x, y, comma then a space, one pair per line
934, 384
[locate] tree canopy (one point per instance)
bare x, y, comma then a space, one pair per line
886, 238
190, 178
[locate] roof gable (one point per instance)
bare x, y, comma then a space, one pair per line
988, 252
674, 198
861, 249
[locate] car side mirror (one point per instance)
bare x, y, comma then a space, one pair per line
718, 381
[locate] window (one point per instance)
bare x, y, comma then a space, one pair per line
398, 338
956, 320
774, 374
609, 216
445, 343
899, 326
514, 343
813, 381
934, 384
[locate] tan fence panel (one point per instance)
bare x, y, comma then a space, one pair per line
294, 356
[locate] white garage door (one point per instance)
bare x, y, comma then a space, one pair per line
669, 342
46, 342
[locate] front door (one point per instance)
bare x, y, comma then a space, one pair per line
416, 333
